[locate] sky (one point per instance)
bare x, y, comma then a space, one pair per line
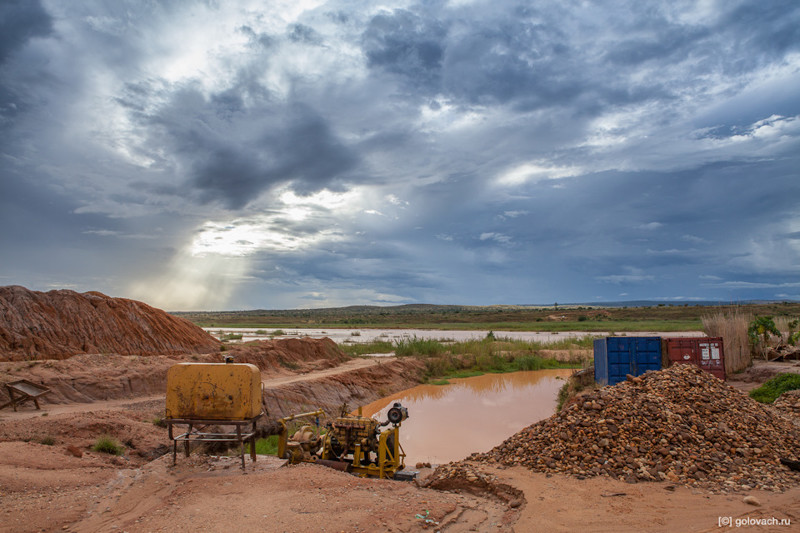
238, 154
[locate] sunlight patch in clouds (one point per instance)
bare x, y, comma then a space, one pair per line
535, 171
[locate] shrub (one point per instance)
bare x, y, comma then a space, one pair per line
759, 332
107, 444
48, 441
417, 346
770, 390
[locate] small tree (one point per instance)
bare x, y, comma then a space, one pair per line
759, 332
793, 336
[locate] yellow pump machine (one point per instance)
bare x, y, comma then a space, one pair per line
351, 443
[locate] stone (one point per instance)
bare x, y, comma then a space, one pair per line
751, 500
74, 451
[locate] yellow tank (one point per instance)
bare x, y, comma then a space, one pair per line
213, 391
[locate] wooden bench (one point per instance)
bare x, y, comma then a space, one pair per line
21, 391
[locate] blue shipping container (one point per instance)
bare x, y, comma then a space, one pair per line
615, 357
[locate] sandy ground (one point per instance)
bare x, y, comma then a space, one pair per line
206, 493
63, 486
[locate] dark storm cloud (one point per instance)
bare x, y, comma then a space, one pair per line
304, 152
669, 42
772, 27
234, 154
465, 152
20, 21
407, 44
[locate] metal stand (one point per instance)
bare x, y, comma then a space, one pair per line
195, 433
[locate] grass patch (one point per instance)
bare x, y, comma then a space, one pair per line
445, 360
267, 446
770, 390
417, 346
563, 395
109, 445
231, 337
359, 349
48, 440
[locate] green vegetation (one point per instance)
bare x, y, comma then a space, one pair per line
359, 349
225, 337
793, 336
48, 441
665, 317
107, 444
415, 346
268, 446
446, 360
564, 394
770, 390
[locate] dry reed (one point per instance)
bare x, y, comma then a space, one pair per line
732, 327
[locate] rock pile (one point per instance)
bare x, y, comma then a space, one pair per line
680, 424
789, 402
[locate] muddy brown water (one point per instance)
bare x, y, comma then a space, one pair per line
449, 422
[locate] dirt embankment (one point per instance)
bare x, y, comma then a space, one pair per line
60, 324
293, 371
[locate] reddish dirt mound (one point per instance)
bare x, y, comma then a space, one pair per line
59, 324
292, 354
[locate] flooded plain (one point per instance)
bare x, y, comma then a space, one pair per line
365, 335
449, 422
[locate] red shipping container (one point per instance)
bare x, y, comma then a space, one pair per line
705, 352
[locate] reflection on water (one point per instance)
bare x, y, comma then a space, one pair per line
449, 422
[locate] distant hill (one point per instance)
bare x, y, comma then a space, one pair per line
683, 315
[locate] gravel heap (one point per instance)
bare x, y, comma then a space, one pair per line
789, 402
680, 424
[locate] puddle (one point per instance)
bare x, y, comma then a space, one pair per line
449, 422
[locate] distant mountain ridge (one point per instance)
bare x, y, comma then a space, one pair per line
415, 308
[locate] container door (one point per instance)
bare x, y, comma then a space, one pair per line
645, 355
711, 358
681, 350
601, 361
619, 359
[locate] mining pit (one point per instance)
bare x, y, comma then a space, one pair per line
673, 451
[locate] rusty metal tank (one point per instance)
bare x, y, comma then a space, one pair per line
213, 391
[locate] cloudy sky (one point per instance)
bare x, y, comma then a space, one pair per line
291, 154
